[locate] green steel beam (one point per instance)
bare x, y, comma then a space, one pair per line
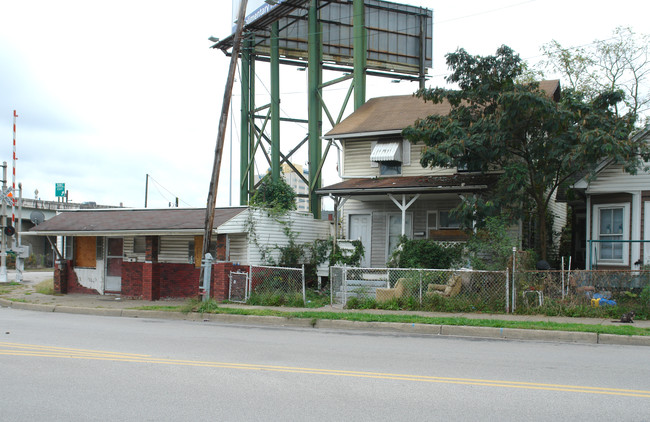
243, 143
275, 102
360, 47
251, 122
315, 111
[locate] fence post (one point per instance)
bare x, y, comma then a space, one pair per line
304, 296
514, 266
507, 291
421, 271
207, 272
331, 288
345, 284
562, 273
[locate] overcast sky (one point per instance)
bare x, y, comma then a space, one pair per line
107, 92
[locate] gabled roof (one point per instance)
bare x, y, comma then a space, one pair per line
120, 222
460, 182
385, 115
582, 180
390, 115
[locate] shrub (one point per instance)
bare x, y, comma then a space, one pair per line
425, 253
275, 195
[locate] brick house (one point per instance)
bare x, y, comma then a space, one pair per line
156, 253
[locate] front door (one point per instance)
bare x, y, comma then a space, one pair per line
114, 255
360, 230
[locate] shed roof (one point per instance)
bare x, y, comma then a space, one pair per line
132, 221
386, 115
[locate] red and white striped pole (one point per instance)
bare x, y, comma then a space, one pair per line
13, 182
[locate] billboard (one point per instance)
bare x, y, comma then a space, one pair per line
255, 9
399, 36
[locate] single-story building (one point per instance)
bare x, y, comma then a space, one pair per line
156, 253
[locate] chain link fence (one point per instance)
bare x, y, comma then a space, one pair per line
276, 286
578, 287
436, 290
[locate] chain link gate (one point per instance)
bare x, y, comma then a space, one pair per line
238, 291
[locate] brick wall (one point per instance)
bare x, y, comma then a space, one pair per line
178, 280
132, 279
68, 282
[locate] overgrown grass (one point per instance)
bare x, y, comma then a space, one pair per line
195, 306
45, 287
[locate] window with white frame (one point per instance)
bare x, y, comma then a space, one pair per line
612, 223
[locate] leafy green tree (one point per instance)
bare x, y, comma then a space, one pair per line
620, 62
532, 141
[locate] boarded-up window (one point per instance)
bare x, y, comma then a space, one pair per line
194, 250
85, 251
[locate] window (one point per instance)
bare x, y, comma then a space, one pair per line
611, 223
140, 245
390, 156
390, 168
395, 231
448, 221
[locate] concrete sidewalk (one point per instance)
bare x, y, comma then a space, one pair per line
25, 297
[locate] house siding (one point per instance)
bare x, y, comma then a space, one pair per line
174, 249
269, 234
614, 179
356, 161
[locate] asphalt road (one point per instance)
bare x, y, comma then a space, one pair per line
83, 368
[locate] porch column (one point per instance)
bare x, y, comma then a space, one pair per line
403, 207
635, 230
150, 278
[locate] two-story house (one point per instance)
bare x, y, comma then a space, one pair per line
385, 192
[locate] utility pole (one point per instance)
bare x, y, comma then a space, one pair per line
146, 190
225, 106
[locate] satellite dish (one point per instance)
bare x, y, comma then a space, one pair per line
37, 217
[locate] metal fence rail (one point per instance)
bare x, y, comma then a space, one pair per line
444, 290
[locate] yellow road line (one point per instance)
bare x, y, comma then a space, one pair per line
27, 350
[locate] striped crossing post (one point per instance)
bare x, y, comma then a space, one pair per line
13, 180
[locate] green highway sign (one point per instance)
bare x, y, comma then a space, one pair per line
60, 190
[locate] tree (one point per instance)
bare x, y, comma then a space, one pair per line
535, 143
621, 62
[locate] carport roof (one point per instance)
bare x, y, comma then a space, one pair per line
132, 221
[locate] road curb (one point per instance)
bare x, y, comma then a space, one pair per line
341, 324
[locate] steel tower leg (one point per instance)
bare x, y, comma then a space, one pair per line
275, 102
360, 47
315, 110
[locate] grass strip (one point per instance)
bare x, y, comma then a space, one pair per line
626, 330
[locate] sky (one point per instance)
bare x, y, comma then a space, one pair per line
109, 92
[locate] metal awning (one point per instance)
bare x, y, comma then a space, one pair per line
387, 151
